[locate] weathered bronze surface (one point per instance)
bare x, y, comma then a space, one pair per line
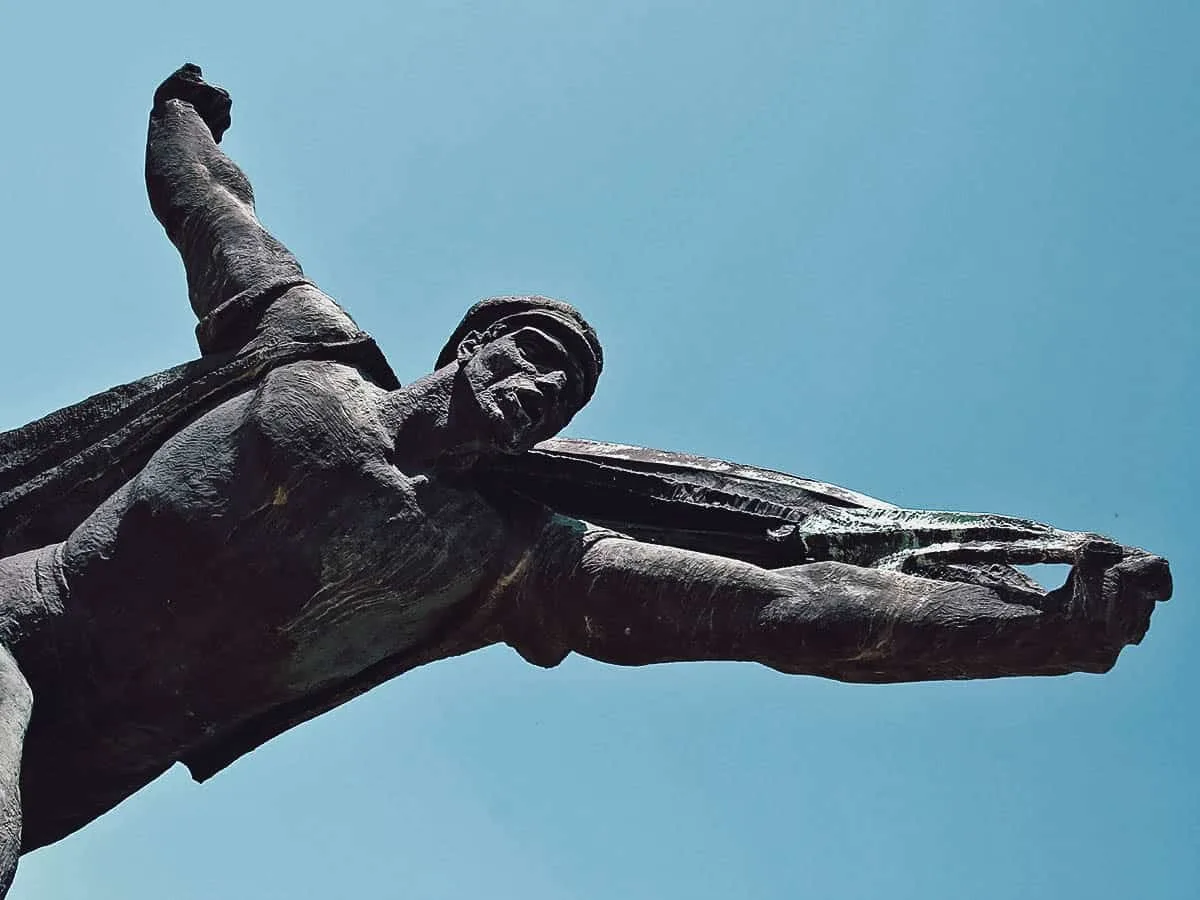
199, 560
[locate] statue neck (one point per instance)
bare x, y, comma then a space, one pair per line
435, 421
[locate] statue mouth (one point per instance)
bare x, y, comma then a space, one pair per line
531, 403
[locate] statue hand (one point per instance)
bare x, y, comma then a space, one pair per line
1116, 588
1109, 597
211, 102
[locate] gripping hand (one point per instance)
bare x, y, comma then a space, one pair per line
186, 84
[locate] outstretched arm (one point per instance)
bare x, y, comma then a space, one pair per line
202, 198
627, 602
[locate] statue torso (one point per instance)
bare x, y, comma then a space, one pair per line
268, 551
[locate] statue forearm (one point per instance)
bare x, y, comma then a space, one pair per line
632, 603
204, 201
185, 169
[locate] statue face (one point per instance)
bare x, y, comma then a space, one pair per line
524, 383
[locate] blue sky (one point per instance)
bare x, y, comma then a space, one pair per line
943, 253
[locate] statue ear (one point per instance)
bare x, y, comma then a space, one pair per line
469, 346
473, 340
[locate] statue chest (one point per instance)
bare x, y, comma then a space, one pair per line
326, 578
388, 582
241, 570
203, 629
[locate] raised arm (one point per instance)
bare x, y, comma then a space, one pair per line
631, 603
202, 198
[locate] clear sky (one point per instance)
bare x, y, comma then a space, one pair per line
943, 253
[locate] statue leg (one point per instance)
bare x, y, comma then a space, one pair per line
16, 703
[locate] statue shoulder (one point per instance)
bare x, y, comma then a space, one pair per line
320, 407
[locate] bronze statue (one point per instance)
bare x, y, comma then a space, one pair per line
199, 560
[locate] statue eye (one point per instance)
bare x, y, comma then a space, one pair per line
537, 348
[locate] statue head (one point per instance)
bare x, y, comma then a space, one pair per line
529, 363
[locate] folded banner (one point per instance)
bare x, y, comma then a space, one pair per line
774, 520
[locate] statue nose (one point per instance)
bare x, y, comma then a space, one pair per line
551, 383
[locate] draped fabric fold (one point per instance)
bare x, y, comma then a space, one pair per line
774, 520
55, 471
